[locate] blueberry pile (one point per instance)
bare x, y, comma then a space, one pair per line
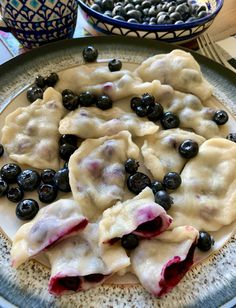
146, 106
137, 181
151, 12
40, 84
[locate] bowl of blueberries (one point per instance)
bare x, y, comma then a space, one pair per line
167, 20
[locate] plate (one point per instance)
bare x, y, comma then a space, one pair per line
207, 284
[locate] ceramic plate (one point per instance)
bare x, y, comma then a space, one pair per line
210, 284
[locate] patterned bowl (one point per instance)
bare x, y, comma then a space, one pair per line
169, 33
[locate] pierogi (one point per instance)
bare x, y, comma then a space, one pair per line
53, 222
78, 263
82, 237
161, 154
139, 215
30, 134
97, 174
93, 122
207, 197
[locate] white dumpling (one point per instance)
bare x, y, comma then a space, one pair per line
93, 122
51, 223
161, 263
206, 198
161, 154
30, 134
78, 263
193, 115
97, 174
178, 69
140, 216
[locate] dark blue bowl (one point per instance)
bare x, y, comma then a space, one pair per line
169, 33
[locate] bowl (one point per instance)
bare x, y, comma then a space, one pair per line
104, 24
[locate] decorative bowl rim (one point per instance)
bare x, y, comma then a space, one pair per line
141, 27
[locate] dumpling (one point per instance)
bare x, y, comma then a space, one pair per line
193, 115
97, 174
206, 198
140, 216
78, 263
52, 222
30, 134
178, 69
160, 151
161, 263
94, 123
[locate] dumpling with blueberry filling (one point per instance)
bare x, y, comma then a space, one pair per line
30, 134
161, 263
97, 174
140, 216
161, 151
178, 69
207, 196
53, 222
94, 123
78, 263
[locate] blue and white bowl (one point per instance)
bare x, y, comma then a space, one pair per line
169, 33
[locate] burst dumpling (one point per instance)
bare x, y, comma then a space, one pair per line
207, 196
52, 222
78, 263
161, 263
140, 216
30, 134
93, 122
160, 151
97, 174
178, 69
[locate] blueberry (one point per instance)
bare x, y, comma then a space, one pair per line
96, 8
15, 194
129, 7
107, 5
1, 150
108, 13
87, 99
141, 111
202, 14
47, 193
220, 117
175, 15
62, 180
205, 241
188, 148
172, 180
135, 102
118, 17
66, 150
147, 100
134, 14
231, 137
90, 54
67, 138
70, 101
47, 176
51, 79
163, 19
104, 102
164, 199
157, 186
179, 22
118, 11
146, 4
9, 172
28, 180
115, 65
137, 182
155, 112
131, 166
3, 187
39, 81
27, 209
170, 120
33, 93
66, 92
129, 241
133, 20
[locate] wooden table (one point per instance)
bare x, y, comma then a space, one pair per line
224, 24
